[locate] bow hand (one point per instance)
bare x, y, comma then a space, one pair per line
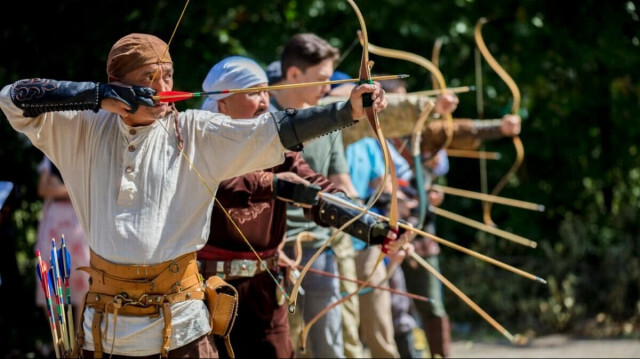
391, 239
446, 104
289, 187
510, 125
359, 102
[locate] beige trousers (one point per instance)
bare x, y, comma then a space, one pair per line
376, 322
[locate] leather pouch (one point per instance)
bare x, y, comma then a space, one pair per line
222, 302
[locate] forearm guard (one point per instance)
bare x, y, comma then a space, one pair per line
298, 126
297, 193
487, 129
37, 96
366, 228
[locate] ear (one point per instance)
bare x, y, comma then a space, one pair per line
293, 73
223, 106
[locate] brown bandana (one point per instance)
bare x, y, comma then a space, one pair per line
134, 51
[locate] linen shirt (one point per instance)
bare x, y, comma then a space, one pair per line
140, 201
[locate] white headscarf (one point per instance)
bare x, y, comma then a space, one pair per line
234, 72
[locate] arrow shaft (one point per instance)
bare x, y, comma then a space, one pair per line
388, 289
441, 241
462, 296
160, 97
488, 198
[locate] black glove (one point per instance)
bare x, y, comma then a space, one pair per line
378, 234
131, 95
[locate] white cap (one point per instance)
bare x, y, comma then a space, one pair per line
234, 72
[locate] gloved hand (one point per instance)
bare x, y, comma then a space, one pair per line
289, 187
131, 95
381, 233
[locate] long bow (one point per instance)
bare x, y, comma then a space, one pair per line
365, 77
416, 135
515, 107
435, 72
439, 80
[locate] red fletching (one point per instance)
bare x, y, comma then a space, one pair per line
173, 96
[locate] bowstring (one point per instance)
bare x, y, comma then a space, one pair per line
197, 172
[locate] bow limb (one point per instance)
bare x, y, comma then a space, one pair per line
442, 241
515, 108
435, 72
416, 139
435, 58
365, 77
466, 299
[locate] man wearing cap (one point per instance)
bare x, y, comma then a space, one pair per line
142, 177
256, 203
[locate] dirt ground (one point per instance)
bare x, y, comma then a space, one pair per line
553, 346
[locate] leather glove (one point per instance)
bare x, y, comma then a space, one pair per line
131, 95
297, 193
379, 231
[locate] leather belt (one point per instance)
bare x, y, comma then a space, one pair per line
236, 268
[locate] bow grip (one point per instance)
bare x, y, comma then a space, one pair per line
388, 240
366, 97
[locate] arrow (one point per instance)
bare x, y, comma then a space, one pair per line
41, 270
335, 199
56, 282
175, 96
65, 262
370, 285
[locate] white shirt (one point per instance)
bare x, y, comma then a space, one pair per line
139, 201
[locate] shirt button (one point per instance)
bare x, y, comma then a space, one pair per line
132, 131
129, 169
132, 148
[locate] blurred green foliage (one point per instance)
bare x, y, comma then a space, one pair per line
576, 66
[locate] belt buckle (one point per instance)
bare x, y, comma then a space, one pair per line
242, 268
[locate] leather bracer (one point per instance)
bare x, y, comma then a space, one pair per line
37, 96
298, 126
366, 228
487, 129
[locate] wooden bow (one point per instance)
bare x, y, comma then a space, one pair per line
390, 171
515, 108
435, 72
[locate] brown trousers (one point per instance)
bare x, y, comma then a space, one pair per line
203, 347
